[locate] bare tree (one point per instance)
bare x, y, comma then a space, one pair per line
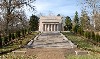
19, 21
93, 7
2, 24
8, 7
23, 19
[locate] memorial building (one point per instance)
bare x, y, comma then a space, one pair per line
50, 23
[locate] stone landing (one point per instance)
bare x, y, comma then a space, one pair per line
52, 40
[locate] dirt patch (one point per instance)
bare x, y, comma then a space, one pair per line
50, 53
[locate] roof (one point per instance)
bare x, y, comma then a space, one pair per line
50, 17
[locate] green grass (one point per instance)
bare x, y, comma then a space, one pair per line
14, 56
91, 56
17, 43
11, 55
82, 42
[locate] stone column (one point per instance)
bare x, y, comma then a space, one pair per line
54, 27
45, 27
57, 28
51, 27
48, 27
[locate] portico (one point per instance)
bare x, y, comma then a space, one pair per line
50, 23
50, 27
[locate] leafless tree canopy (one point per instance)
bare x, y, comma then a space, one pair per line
12, 9
92, 7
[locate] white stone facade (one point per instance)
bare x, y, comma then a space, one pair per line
50, 23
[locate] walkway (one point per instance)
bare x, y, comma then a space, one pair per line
50, 45
52, 40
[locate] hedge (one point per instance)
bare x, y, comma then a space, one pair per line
88, 34
9, 36
13, 36
92, 35
0, 41
5, 40
18, 34
97, 38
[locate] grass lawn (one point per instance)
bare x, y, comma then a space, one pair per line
14, 56
19, 43
83, 44
91, 56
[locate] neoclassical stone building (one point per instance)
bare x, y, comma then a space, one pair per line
50, 23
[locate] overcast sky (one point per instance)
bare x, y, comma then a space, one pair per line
63, 7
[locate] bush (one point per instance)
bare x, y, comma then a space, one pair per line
92, 35
18, 34
80, 31
75, 28
89, 34
5, 40
9, 36
97, 37
29, 31
13, 36
0, 41
23, 32
85, 34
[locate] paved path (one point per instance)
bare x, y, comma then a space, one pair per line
52, 40
50, 45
